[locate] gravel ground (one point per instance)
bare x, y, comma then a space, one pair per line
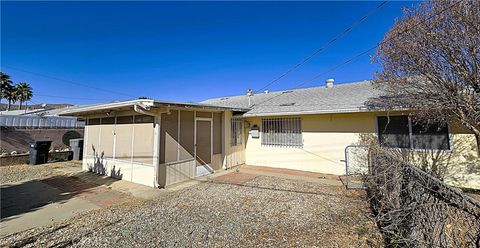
266, 212
15, 173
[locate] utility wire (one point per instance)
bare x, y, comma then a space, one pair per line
374, 47
69, 81
75, 98
361, 54
324, 47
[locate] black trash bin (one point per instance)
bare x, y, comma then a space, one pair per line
39, 152
76, 145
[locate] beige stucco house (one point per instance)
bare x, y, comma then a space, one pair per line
160, 143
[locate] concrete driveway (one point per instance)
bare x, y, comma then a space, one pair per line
40, 202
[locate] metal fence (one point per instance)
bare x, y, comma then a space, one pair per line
415, 209
22, 121
356, 166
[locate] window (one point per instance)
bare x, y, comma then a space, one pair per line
94, 121
402, 132
237, 130
124, 120
144, 119
108, 120
282, 132
394, 131
432, 136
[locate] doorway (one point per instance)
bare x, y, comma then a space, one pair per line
203, 146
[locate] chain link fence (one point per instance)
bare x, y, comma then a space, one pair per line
415, 209
356, 165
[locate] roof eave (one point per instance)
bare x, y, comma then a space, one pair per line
106, 106
312, 112
144, 102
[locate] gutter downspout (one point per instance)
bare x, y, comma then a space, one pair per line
144, 109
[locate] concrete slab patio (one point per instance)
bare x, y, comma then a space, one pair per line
67, 192
305, 176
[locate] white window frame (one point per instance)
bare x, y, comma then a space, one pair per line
290, 136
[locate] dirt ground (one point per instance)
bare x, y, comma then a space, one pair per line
233, 210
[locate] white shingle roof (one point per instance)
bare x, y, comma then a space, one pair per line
348, 97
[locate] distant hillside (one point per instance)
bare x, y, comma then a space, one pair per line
3, 106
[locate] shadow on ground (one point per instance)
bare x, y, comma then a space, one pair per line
23, 197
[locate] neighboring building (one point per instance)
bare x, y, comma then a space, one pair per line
303, 129
21, 127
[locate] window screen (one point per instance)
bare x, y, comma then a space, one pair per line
236, 132
108, 120
393, 131
282, 132
400, 132
144, 119
430, 136
94, 121
124, 120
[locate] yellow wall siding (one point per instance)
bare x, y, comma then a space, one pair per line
463, 166
326, 136
324, 140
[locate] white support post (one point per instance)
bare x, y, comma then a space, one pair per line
114, 139
132, 148
156, 148
178, 135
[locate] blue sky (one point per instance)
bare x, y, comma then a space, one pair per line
182, 51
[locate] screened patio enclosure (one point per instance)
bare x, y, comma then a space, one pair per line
158, 144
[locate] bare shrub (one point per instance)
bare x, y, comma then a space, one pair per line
430, 63
416, 209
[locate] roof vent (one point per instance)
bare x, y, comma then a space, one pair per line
266, 91
330, 82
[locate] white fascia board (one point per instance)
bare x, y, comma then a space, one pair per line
308, 112
106, 106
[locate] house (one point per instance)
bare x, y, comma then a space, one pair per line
160, 143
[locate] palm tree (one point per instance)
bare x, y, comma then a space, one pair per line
11, 96
5, 86
23, 93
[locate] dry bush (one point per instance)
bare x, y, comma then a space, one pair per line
414, 208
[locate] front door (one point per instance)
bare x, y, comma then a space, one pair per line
203, 146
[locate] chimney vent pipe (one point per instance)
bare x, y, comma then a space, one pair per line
329, 82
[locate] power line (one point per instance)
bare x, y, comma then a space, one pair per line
75, 98
318, 51
362, 53
68, 81
374, 47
